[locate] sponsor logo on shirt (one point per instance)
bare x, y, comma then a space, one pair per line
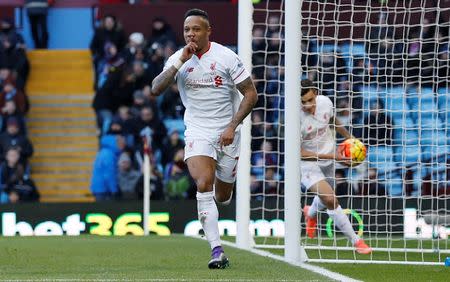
316, 133
200, 83
218, 81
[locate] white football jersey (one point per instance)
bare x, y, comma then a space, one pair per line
315, 129
207, 86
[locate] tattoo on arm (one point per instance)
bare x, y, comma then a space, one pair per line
163, 81
247, 88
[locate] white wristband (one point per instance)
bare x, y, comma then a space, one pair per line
178, 64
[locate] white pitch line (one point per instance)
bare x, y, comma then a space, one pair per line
316, 269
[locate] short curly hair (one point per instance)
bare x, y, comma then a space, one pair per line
196, 12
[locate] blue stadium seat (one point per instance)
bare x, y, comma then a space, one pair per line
435, 153
371, 95
352, 51
394, 185
422, 103
325, 48
396, 106
432, 136
405, 136
443, 98
406, 155
381, 157
405, 130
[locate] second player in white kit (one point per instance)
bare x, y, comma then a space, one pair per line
318, 158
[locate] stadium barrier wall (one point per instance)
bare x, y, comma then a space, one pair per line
168, 217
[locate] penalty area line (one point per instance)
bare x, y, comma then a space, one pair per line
313, 268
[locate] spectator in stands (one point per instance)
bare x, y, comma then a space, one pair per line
443, 63
170, 146
274, 25
378, 129
156, 180
37, 15
162, 33
13, 138
11, 93
105, 101
257, 130
271, 182
413, 59
157, 59
139, 100
171, 106
178, 183
9, 110
147, 118
7, 30
124, 119
104, 184
135, 78
309, 57
15, 60
108, 31
383, 52
371, 185
128, 177
263, 159
15, 184
332, 72
378, 34
135, 47
259, 48
429, 45
343, 112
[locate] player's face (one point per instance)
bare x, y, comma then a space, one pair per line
309, 102
197, 30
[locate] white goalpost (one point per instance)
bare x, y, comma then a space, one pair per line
385, 65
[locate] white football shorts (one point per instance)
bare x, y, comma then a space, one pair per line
312, 173
226, 158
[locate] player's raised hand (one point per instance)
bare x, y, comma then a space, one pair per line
188, 51
340, 157
227, 137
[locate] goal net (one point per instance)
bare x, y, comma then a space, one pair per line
385, 66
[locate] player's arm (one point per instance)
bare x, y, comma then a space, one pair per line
248, 90
311, 156
167, 77
163, 81
340, 128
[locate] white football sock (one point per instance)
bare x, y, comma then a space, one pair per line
316, 206
209, 217
342, 222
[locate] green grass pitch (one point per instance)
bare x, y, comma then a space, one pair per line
376, 272
174, 258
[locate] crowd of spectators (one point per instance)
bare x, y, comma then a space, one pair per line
15, 147
124, 68
415, 56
